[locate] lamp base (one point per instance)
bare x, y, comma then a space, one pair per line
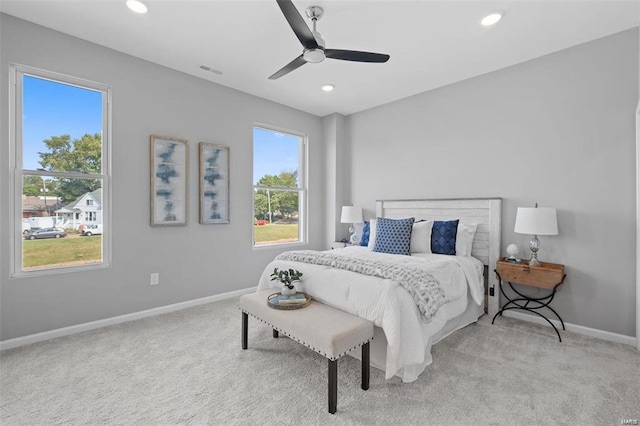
534, 246
353, 239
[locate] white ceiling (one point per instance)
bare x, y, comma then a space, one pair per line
431, 43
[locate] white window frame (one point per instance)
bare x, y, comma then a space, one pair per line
303, 181
17, 71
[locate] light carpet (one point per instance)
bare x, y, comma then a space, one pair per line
187, 367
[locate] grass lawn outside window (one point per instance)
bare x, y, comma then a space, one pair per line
70, 251
276, 233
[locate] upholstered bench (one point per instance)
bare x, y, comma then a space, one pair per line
328, 331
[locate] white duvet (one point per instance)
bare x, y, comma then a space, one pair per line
386, 303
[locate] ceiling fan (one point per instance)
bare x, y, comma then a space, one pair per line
313, 43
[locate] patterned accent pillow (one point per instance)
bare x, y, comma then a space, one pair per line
364, 241
443, 237
394, 236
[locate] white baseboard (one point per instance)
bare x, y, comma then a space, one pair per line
591, 332
74, 329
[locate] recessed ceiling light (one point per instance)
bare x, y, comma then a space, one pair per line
491, 19
328, 87
137, 6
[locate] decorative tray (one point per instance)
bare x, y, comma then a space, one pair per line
288, 303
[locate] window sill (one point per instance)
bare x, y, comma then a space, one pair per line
280, 245
59, 270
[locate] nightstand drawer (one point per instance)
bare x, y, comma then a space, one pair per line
546, 275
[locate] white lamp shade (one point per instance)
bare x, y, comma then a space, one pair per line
536, 221
351, 214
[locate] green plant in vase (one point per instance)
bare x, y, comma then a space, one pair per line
287, 278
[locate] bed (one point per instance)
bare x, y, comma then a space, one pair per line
404, 331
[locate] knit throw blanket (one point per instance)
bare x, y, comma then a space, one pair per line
421, 285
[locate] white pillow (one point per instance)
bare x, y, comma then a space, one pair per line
372, 233
464, 238
421, 237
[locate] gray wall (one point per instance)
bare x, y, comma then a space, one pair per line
336, 192
194, 261
557, 130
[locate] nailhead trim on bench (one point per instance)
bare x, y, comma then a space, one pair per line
304, 343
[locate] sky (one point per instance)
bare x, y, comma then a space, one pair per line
273, 153
54, 109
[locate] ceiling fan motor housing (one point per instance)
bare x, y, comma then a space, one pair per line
315, 55
318, 38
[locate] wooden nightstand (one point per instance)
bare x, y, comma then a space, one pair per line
548, 276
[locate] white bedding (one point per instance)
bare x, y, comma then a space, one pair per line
387, 304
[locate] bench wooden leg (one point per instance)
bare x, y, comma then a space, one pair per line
365, 366
245, 329
275, 333
333, 386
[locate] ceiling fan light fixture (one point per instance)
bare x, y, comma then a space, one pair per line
328, 87
313, 55
137, 6
491, 19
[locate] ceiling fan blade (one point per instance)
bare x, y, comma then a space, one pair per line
353, 55
297, 24
296, 63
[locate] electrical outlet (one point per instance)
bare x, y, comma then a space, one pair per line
491, 292
155, 278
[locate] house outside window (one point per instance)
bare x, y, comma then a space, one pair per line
280, 187
61, 171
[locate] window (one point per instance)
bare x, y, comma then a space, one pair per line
279, 187
60, 170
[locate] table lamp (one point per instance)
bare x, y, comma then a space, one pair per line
352, 215
536, 221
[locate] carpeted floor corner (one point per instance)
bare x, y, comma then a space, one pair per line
187, 368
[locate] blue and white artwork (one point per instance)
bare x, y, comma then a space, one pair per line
214, 183
169, 177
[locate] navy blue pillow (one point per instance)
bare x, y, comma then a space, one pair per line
394, 236
443, 237
366, 231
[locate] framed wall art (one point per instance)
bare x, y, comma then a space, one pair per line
169, 180
214, 183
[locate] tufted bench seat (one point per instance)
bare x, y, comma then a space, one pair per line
328, 331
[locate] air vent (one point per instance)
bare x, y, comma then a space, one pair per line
209, 69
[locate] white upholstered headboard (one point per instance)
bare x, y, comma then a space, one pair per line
486, 212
